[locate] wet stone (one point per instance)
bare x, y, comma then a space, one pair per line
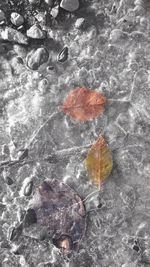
30, 217
17, 19
28, 189
55, 11
136, 248
12, 35
2, 15
19, 60
49, 2
34, 2
50, 68
69, 5
37, 57
8, 180
35, 32
15, 232
43, 86
79, 23
63, 55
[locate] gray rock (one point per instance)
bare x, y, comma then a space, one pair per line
79, 23
55, 11
69, 5
34, 2
16, 19
2, 15
49, 2
28, 189
37, 57
41, 18
35, 32
63, 55
13, 35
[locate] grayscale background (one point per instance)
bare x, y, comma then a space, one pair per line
109, 53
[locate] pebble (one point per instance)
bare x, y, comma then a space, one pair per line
49, 2
37, 57
12, 35
63, 55
9, 181
34, 2
16, 19
41, 18
117, 35
79, 23
43, 86
69, 5
19, 60
2, 15
55, 11
15, 232
28, 189
35, 32
30, 217
50, 68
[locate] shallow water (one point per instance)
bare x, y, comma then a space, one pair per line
111, 56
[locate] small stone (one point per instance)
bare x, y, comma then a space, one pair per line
41, 18
12, 35
34, 2
55, 11
16, 232
43, 86
2, 22
69, 5
136, 248
16, 19
28, 189
63, 55
79, 23
50, 68
8, 180
2, 15
30, 217
37, 57
35, 32
49, 2
19, 60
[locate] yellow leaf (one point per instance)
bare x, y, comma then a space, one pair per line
99, 162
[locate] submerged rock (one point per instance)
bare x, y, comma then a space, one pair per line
34, 2
17, 19
55, 11
37, 57
69, 5
63, 55
2, 15
49, 2
35, 32
79, 23
12, 35
28, 188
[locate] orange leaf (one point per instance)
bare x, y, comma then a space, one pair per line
83, 104
99, 161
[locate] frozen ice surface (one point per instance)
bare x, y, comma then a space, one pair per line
112, 55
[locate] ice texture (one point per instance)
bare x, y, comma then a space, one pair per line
111, 55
